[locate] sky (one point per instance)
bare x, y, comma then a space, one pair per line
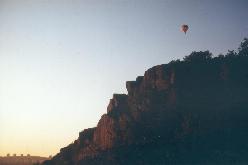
62, 60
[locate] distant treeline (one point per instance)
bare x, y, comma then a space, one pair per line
22, 160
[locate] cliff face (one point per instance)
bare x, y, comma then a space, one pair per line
182, 112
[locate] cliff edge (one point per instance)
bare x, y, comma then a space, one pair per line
193, 111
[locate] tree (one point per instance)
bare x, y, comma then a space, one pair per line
231, 53
201, 56
243, 48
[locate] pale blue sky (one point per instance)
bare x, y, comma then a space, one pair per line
61, 60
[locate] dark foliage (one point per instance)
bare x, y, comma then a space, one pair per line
243, 48
198, 57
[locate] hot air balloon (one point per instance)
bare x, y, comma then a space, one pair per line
184, 28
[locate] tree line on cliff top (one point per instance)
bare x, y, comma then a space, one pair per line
204, 56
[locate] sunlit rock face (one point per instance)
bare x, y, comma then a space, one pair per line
105, 135
188, 112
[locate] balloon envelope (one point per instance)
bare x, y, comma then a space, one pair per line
184, 28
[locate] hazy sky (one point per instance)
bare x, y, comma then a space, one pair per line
61, 60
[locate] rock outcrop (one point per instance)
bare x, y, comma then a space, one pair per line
184, 112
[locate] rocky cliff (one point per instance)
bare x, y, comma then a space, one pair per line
186, 112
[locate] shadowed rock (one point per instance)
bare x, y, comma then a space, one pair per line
185, 112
